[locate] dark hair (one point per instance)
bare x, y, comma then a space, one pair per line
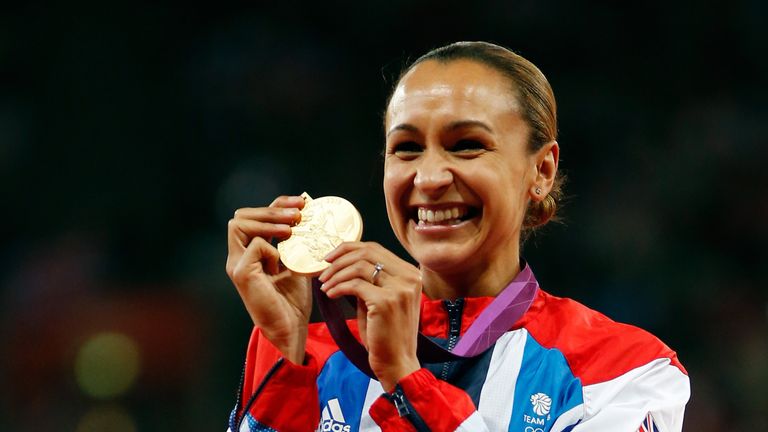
534, 95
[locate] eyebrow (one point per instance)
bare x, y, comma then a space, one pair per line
450, 127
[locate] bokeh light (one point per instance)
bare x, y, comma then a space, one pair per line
107, 365
110, 418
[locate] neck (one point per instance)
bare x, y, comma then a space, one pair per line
486, 280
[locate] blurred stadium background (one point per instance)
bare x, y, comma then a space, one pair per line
129, 134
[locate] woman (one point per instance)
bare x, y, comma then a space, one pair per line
470, 167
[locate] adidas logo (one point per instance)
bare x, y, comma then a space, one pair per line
332, 419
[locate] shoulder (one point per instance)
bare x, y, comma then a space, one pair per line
596, 348
628, 375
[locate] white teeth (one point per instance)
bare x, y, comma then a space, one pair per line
448, 216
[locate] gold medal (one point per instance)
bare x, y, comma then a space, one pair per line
325, 223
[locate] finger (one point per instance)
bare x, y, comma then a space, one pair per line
344, 249
240, 232
260, 251
286, 215
353, 287
349, 252
289, 201
245, 229
250, 277
353, 254
362, 270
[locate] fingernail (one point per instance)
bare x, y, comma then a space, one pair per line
290, 211
283, 227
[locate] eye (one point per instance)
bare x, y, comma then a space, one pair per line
468, 146
406, 149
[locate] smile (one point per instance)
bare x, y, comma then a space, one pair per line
426, 216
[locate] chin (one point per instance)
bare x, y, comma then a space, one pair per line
444, 259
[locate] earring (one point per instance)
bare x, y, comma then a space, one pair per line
538, 190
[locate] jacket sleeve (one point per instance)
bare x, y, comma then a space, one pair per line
275, 394
650, 398
421, 402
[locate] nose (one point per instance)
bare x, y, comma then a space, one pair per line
433, 176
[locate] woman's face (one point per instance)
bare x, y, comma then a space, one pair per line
458, 173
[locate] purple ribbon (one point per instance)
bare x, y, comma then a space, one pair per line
495, 320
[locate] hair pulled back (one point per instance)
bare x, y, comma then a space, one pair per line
535, 97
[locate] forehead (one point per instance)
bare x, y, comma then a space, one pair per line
458, 88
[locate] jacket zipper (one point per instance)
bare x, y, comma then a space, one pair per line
404, 409
454, 309
239, 399
258, 390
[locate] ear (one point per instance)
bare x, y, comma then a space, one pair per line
546, 159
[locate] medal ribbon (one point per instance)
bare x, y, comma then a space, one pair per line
495, 320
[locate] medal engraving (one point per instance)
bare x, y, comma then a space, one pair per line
325, 223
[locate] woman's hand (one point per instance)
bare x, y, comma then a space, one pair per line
278, 301
388, 305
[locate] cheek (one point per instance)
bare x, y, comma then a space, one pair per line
395, 184
389, 182
395, 181
501, 187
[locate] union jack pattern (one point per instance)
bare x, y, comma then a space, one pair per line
648, 424
541, 360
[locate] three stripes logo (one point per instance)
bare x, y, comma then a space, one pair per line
332, 419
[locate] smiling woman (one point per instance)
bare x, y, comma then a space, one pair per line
457, 139
467, 340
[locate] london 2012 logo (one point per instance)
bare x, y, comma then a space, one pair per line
541, 403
